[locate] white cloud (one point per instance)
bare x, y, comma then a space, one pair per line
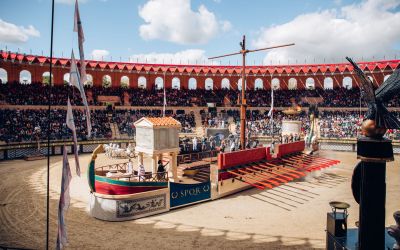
367, 29
11, 33
190, 56
175, 21
100, 54
225, 26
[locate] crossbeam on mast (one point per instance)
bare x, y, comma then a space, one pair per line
243, 103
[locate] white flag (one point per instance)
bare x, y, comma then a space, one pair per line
71, 125
270, 113
81, 39
74, 80
64, 202
165, 102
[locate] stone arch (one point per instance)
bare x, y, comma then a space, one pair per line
225, 84
159, 82
66, 78
124, 82
192, 83
347, 82
89, 80
142, 82
258, 84
328, 83
3, 76
25, 77
176, 83
45, 77
310, 83
275, 83
292, 84
239, 84
106, 81
209, 84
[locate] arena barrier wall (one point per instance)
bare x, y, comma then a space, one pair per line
19, 150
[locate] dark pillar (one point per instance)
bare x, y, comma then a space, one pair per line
374, 153
372, 205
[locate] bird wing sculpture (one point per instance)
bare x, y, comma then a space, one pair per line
367, 90
376, 110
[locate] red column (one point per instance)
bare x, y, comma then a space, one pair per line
133, 80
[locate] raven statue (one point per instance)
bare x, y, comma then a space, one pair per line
378, 119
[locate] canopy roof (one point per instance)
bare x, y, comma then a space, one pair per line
206, 69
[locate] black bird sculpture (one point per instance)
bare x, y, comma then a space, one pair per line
378, 119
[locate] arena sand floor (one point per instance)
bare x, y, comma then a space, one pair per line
292, 216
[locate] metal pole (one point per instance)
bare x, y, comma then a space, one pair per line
49, 127
165, 98
243, 102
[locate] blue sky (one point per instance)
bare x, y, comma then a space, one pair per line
185, 31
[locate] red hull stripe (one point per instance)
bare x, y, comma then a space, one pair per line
110, 189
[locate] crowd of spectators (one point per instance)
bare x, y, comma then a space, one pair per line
332, 124
29, 125
112, 91
37, 94
22, 125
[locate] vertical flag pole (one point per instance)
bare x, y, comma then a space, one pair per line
165, 97
49, 127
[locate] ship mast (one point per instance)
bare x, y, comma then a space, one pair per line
243, 104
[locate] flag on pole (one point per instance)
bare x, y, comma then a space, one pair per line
71, 125
74, 80
270, 113
81, 39
64, 202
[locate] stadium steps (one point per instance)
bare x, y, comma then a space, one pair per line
203, 175
89, 96
126, 99
115, 131
199, 128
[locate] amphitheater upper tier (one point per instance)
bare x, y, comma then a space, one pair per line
32, 68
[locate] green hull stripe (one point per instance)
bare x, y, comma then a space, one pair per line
91, 177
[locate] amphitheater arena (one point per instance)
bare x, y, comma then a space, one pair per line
198, 96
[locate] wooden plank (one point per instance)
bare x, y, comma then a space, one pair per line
287, 177
255, 183
322, 158
309, 162
304, 167
243, 171
288, 171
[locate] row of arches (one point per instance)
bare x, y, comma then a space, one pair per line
25, 77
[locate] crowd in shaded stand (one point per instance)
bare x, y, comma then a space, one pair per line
30, 125
36, 94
